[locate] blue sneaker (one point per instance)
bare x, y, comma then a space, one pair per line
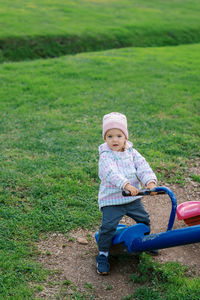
103, 266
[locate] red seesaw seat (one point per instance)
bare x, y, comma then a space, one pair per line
189, 212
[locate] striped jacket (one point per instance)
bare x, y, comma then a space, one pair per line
116, 169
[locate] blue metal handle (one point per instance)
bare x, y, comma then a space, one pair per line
160, 190
145, 192
174, 204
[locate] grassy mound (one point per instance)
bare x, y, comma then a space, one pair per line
50, 29
51, 117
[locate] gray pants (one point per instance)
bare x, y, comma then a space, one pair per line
111, 217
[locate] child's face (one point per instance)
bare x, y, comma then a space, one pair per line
115, 139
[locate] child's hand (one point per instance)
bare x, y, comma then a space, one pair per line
131, 189
151, 186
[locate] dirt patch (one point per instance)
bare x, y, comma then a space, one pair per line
76, 262
77, 265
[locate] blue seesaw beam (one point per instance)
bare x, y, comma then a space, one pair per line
177, 237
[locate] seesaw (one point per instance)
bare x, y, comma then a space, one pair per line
136, 238
189, 212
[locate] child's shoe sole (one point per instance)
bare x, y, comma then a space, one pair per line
103, 273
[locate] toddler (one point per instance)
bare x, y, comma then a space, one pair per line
121, 167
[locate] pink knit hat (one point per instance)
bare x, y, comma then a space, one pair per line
115, 120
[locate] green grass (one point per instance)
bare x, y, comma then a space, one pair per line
195, 177
163, 281
48, 28
51, 118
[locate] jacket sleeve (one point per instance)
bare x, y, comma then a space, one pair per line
109, 172
143, 170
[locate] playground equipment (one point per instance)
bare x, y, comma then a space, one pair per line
189, 212
136, 238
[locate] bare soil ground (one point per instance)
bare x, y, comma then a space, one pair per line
76, 262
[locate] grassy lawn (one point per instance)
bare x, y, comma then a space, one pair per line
48, 28
51, 118
163, 281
